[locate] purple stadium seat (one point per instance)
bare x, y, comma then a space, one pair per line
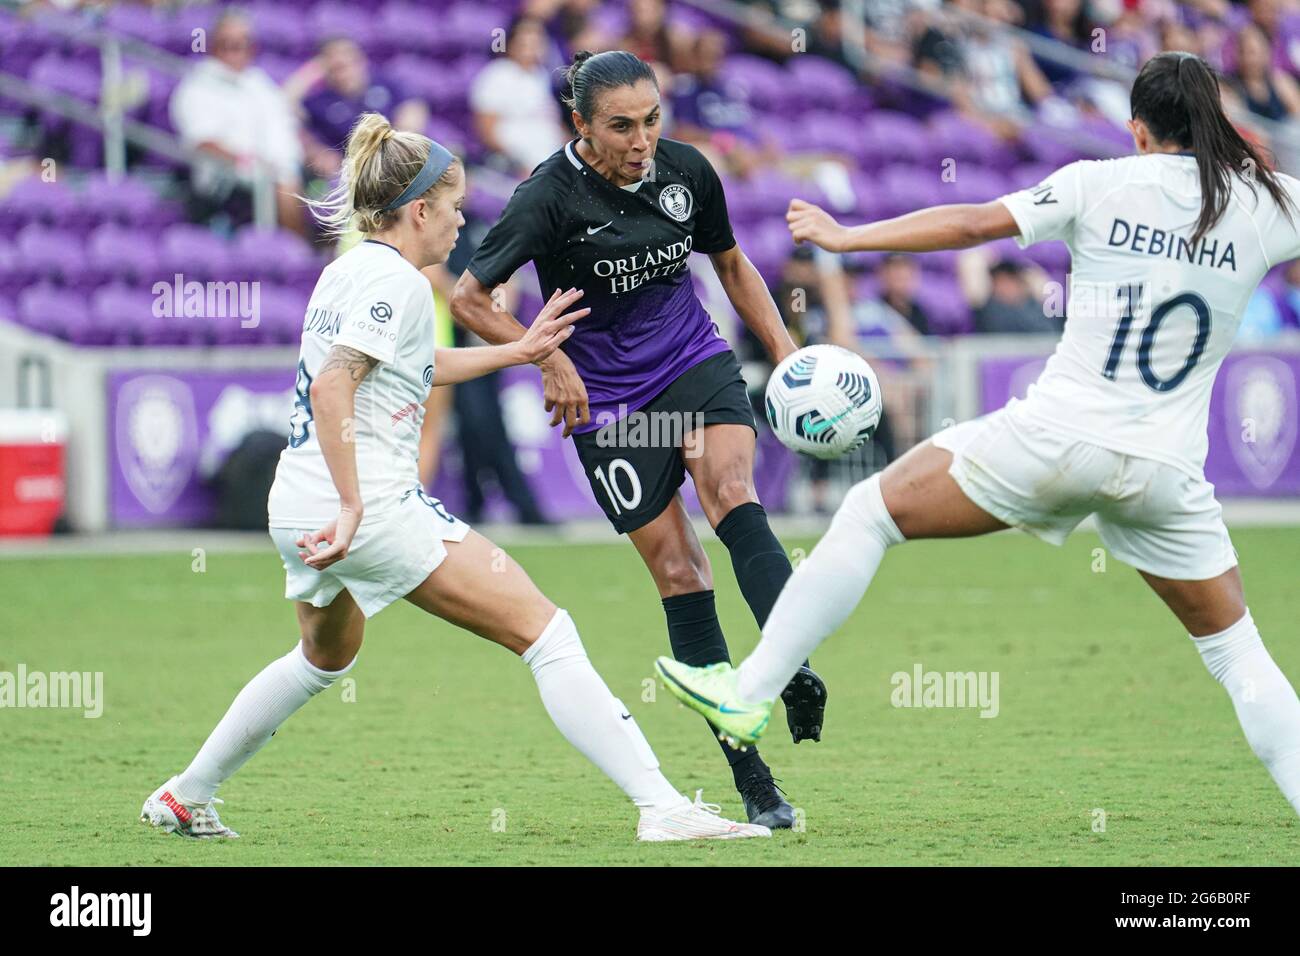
890, 137
1028, 175
66, 75
331, 19
953, 135
406, 28
51, 310
51, 254
765, 83
1054, 257
127, 201
946, 305
33, 200
825, 83
137, 21
118, 253
274, 254
11, 279
1045, 145
822, 131
123, 312
279, 29
903, 188
974, 184
195, 252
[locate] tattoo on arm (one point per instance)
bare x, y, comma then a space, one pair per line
356, 364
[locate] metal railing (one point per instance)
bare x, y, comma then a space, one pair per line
108, 115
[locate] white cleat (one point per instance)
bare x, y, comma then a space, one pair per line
164, 811
694, 821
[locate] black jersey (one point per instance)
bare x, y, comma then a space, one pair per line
627, 247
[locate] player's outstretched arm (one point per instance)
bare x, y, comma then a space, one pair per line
551, 327
955, 226
752, 301
472, 306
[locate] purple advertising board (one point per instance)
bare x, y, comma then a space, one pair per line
1253, 448
169, 431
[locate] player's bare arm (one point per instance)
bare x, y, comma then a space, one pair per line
752, 301
954, 226
474, 308
551, 327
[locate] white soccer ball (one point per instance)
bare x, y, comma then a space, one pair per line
823, 401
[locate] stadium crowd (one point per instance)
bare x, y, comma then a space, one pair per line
925, 101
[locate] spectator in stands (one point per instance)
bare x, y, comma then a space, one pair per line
713, 113
1263, 88
1000, 75
334, 89
230, 110
516, 113
571, 24
1002, 297
1175, 35
900, 277
1069, 22
652, 37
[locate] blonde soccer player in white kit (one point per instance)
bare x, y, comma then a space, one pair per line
1166, 247
356, 531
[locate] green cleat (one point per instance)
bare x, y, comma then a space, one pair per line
712, 691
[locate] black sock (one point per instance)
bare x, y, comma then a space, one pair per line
696, 639
757, 557
759, 561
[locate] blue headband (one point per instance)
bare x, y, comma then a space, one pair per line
435, 165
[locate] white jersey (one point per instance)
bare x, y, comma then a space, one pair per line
1150, 316
372, 300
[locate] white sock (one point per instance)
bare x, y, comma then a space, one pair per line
592, 719
1265, 701
265, 703
822, 592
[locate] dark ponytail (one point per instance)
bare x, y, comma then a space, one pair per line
1177, 96
590, 74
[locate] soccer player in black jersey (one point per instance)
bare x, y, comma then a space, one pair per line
645, 383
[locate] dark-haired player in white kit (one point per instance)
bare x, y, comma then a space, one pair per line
1166, 249
649, 388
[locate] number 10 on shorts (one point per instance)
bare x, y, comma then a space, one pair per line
613, 486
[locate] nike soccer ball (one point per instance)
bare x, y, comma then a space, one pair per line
823, 401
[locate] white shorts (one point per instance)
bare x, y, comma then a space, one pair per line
387, 561
1151, 515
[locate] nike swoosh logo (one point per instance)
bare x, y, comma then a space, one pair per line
818, 427
627, 716
591, 231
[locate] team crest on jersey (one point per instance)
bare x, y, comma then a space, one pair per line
677, 201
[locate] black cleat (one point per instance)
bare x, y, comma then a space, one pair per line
765, 803
805, 705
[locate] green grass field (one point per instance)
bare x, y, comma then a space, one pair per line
447, 757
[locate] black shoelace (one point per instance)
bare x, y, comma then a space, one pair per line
761, 790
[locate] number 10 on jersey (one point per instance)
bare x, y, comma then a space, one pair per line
1131, 297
